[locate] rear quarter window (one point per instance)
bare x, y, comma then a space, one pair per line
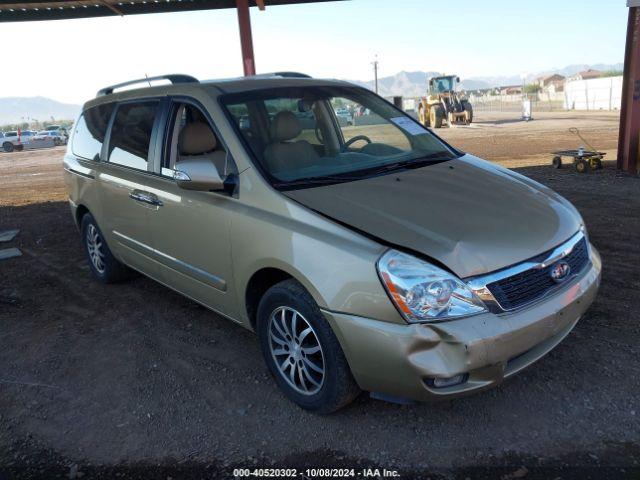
90, 130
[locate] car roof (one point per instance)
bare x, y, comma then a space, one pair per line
216, 87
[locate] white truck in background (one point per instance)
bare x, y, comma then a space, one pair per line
16, 140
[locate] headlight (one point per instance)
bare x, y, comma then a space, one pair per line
423, 292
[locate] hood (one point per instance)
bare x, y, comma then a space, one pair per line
473, 216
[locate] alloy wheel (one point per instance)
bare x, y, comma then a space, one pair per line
296, 350
95, 248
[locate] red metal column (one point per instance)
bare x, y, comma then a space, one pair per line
628, 158
246, 42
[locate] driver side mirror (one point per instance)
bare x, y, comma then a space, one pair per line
199, 174
458, 79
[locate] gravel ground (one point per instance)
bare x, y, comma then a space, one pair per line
135, 381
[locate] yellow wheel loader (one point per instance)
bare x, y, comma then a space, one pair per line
443, 105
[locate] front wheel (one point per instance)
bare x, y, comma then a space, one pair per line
301, 350
435, 116
582, 166
7, 147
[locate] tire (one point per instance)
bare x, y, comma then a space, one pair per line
557, 162
435, 116
330, 385
423, 116
599, 165
7, 147
582, 166
469, 109
57, 142
104, 266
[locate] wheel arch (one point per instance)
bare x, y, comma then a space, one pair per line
266, 277
81, 211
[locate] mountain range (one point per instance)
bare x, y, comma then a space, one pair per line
408, 84
28, 109
414, 84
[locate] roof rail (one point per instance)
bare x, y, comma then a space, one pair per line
291, 74
280, 74
173, 78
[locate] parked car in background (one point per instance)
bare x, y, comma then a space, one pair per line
16, 141
27, 135
344, 115
58, 128
56, 136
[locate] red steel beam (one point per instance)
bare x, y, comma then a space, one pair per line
246, 42
628, 154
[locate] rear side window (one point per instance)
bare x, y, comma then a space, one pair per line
131, 134
90, 131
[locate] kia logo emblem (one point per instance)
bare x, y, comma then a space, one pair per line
560, 271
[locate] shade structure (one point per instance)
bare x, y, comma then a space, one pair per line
30, 10
33, 10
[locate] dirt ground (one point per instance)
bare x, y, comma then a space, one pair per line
135, 381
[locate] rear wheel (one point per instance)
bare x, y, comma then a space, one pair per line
57, 142
104, 266
557, 162
598, 163
469, 110
7, 147
423, 116
301, 350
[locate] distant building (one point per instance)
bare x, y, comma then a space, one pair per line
551, 83
511, 90
586, 75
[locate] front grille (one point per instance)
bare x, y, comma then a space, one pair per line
530, 285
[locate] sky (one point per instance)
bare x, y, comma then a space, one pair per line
69, 60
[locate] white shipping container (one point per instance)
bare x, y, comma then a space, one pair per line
594, 94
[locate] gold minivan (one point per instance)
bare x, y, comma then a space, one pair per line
367, 253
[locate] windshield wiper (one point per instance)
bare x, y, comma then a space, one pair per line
414, 162
362, 174
326, 180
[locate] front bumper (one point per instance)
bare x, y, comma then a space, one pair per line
399, 360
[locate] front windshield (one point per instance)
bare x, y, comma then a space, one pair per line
309, 135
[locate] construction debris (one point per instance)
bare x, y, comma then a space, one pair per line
8, 235
9, 253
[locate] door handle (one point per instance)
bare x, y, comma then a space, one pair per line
145, 197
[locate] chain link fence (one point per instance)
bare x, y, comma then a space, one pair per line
602, 94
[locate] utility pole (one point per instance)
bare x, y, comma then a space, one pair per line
375, 73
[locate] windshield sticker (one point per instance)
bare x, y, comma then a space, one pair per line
409, 126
